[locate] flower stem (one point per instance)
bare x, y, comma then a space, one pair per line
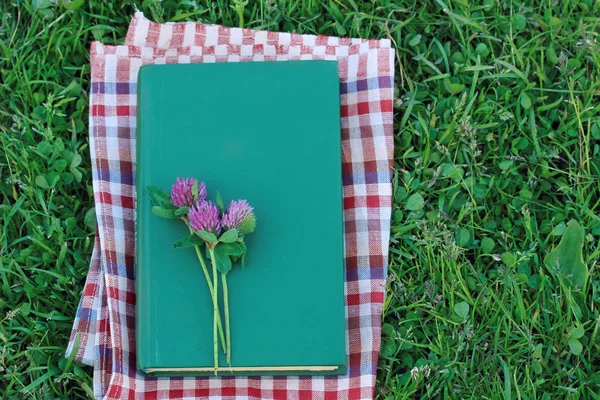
215, 309
210, 289
227, 330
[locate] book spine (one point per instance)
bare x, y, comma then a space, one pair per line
143, 348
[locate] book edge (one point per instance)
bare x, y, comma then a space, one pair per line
249, 369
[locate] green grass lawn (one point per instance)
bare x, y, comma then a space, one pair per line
493, 289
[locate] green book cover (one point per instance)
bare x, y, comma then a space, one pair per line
269, 133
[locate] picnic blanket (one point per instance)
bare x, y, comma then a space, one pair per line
103, 334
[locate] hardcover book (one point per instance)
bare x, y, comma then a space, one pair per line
270, 133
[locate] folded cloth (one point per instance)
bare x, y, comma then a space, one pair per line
83, 334
104, 331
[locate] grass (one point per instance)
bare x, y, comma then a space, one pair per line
497, 135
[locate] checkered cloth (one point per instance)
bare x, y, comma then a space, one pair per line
104, 330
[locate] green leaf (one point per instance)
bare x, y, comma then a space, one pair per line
230, 236
506, 164
555, 22
487, 245
182, 211
341, 31
567, 258
40, 113
463, 237
231, 249
76, 161
388, 349
164, 213
575, 307
207, 236
595, 130
248, 225
387, 329
575, 346
67, 177
77, 175
400, 194
534, 281
45, 148
415, 202
518, 21
462, 309
73, 89
159, 197
453, 85
219, 202
60, 165
415, 41
222, 260
74, 5
508, 258
482, 50
525, 101
480, 191
188, 241
41, 181
397, 216
90, 218
537, 351
576, 333
453, 172
41, 4
559, 229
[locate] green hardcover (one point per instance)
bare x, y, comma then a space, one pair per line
270, 133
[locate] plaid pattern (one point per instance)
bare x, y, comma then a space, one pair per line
145, 33
105, 322
83, 335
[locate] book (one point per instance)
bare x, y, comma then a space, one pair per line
268, 132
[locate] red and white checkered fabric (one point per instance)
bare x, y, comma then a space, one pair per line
105, 324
